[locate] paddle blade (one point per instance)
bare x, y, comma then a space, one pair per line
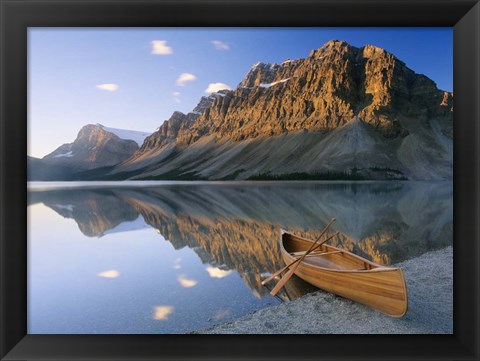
266, 280
282, 282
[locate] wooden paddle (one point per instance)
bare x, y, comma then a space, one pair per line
266, 280
289, 274
316, 254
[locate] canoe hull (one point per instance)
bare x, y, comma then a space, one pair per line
381, 288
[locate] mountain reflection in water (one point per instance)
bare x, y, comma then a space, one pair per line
236, 226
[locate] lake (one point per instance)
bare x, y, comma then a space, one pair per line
174, 257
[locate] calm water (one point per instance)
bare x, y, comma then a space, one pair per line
172, 257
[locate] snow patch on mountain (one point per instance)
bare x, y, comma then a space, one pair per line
135, 135
68, 207
68, 154
274, 83
130, 226
260, 64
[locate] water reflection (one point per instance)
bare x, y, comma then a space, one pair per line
186, 282
161, 313
236, 226
109, 274
215, 272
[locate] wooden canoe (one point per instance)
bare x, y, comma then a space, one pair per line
348, 275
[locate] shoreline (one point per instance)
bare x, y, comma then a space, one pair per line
429, 279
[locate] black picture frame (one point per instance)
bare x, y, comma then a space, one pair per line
18, 15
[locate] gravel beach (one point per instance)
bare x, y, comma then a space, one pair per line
429, 279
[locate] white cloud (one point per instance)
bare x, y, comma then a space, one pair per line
215, 87
160, 47
161, 313
185, 282
176, 96
220, 45
184, 78
109, 274
215, 272
111, 87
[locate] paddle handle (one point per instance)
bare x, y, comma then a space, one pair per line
320, 236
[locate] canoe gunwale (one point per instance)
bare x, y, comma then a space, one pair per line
378, 267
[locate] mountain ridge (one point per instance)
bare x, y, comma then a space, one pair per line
337, 104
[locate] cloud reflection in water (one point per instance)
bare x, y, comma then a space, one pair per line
109, 274
186, 282
215, 272
161, 313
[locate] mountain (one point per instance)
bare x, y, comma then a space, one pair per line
39, 170
342, 112
95, 146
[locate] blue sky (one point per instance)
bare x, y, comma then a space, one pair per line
132, 78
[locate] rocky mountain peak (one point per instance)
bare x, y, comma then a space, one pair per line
335, 45
204, 103
371, 51
94, 147
92, 133
178, 124
259, 73
170, 128
333, 48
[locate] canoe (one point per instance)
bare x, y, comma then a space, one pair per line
348, 275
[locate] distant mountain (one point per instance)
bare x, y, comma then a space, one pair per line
343, 112
39, 170
95, 146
